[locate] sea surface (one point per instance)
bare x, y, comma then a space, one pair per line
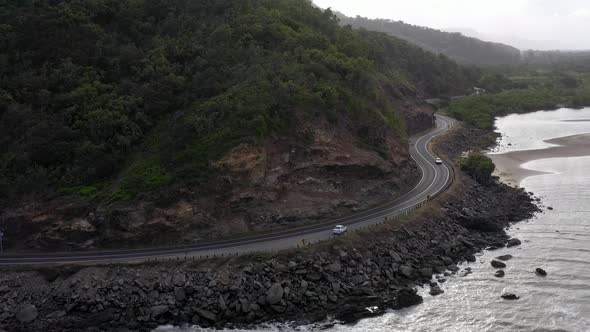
556, 240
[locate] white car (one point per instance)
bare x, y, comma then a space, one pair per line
438, 161
339, 229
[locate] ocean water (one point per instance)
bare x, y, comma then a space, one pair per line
556, 240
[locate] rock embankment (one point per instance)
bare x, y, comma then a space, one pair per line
379, 270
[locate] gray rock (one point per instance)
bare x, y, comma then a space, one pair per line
336, 287
27, 314
395, 256
406, 271
335, 267
245, 305
497, 264
221, 303
313, 277
179, 294
206, 314
154, 294
158, 310
179, 279
513, 242
274, 294
440, 269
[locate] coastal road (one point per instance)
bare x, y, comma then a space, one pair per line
435, 179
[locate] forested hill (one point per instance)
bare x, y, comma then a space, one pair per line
134, 95
463, 49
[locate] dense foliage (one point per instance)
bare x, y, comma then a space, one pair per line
463, 49
521, 90
127, 96
479, 167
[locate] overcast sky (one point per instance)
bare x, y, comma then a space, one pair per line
539, 24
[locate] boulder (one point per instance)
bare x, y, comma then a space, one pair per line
539, 271
510, 296
513, 242
499, 274
497, 264
27, 314
274, 294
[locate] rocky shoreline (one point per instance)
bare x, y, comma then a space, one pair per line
376, 268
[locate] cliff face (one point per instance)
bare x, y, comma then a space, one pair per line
281, 182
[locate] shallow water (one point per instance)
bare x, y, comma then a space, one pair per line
528, 131
556, 240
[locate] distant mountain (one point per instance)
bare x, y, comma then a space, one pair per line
564, 58
465, 50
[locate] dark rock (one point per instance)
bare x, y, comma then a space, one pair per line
497, 264
434, 291
513, 242
540, 271
453, 268
158, 310
407, 297
406, 271
470, 258
179, 294
504, 257
426, 272
510, 296
549, 208
335, 267
499, 274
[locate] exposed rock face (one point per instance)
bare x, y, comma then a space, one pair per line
281, 182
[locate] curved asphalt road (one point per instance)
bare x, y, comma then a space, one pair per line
434, 180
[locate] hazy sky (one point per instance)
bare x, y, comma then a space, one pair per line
540, 24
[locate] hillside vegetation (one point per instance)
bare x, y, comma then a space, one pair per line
111, 98
463, 49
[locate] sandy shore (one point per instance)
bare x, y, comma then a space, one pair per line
509, 165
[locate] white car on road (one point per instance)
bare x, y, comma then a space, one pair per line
438, 161
339, 229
